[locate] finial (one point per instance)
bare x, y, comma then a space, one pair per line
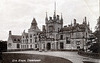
46, 14
54, 11
85, 20
61, 15
55, 8
71, 23
24, 31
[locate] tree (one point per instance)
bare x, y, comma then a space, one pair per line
95, 48
97, 32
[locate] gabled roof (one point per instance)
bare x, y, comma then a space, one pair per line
16, 38
26, 34
34, 21
81, 27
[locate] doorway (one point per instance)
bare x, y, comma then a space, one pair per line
48, 46
61, 45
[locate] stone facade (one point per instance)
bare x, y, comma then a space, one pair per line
13, 41
54, 36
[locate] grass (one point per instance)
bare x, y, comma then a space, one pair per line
31, 58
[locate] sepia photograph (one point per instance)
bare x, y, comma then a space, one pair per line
49, 31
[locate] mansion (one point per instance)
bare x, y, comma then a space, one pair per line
54, 36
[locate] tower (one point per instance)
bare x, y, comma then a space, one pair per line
53, 24
33, 24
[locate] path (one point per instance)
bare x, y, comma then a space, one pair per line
72, 56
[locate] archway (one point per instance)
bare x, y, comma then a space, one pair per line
48, 46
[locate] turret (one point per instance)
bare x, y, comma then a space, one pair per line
43, 28
71, 23
85, 20
50, 18
57, 17
33, 24
54, 16
61, 21
74, 22
46, 19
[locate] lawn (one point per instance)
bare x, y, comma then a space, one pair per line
31, 58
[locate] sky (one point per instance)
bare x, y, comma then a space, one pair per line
17, 15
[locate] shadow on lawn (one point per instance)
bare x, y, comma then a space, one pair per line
31, 58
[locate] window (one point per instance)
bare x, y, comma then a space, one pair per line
30, 46
30, 35
14, 39
9, 44
30, 40
27, 40
34, 35
27, 46
67, 40
21, 46
35, 45
50, 28
78, 42
78, 47
61, 37
18, 46
78, 35
18, 39
35, 39
23, 41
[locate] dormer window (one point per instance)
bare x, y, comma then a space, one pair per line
14, 39
18, 39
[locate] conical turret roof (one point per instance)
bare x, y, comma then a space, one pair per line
34, 21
